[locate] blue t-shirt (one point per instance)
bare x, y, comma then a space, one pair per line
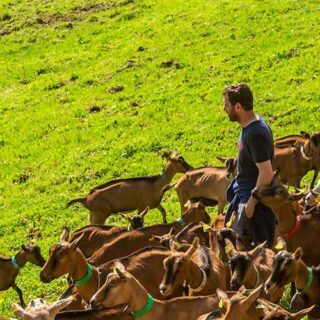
255, 145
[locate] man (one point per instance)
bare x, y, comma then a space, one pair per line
255, 153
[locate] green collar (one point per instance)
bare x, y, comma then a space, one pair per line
86, 277
15, 263
181, 221
310, 279
145, 309
226, 264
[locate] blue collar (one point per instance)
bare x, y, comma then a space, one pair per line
15, 263
165, 176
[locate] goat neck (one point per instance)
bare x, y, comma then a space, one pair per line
80, 272
303, 282
19, 260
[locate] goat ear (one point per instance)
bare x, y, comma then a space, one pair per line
229, 248
222, 297
65, 234
302, 313
119, 265
257, 250
144, 212
24, 248
193, 248
296, 196
75, 243
166, 155
252, 298
305, 134
188, 204
18, 311
58, 305
121, 274
298, 253
222, 159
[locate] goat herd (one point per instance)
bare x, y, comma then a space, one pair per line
184, 269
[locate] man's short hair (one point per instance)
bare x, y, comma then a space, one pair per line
240, 93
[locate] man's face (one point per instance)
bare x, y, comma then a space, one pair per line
230, 109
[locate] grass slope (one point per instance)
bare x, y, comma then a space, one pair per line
154, 71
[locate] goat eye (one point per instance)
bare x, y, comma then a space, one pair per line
112, 285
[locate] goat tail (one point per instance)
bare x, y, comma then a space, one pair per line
81, 200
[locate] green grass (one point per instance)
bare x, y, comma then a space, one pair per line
172, 60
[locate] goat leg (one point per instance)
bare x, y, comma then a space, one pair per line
18, 290
164, 215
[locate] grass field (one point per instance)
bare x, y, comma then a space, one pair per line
95, 90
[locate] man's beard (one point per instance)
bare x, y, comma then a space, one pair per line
233, 117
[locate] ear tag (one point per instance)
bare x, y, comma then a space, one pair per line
260, 306
220, 305
114, 270
206, 227
227, 249
279, 246
177, 245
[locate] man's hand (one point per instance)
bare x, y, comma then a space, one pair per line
249, 209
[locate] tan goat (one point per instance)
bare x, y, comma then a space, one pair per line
39, 309
130, 194
209, 183
295, 160
296, 230
94, 236
65, 258
200, 269
251, 269
134, 240
9, 268
244, 306
121, 288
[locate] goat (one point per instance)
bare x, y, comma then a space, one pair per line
39, 309
242, 307
93, 236
251, 269
130, 194
10, 267
94, 315
121, 288
289, 267
66, 258
201, 270
134, 240
210, 183
295, 160
297, 230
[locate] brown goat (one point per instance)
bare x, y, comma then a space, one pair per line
124, 195
251, 269
295, 160
66, 258
94, 315
289, 267
209, 183
242, 306
297, 231
200, 269
121, 288
134, 240
9, 268
94, 236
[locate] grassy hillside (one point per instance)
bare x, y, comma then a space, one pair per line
93, 90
